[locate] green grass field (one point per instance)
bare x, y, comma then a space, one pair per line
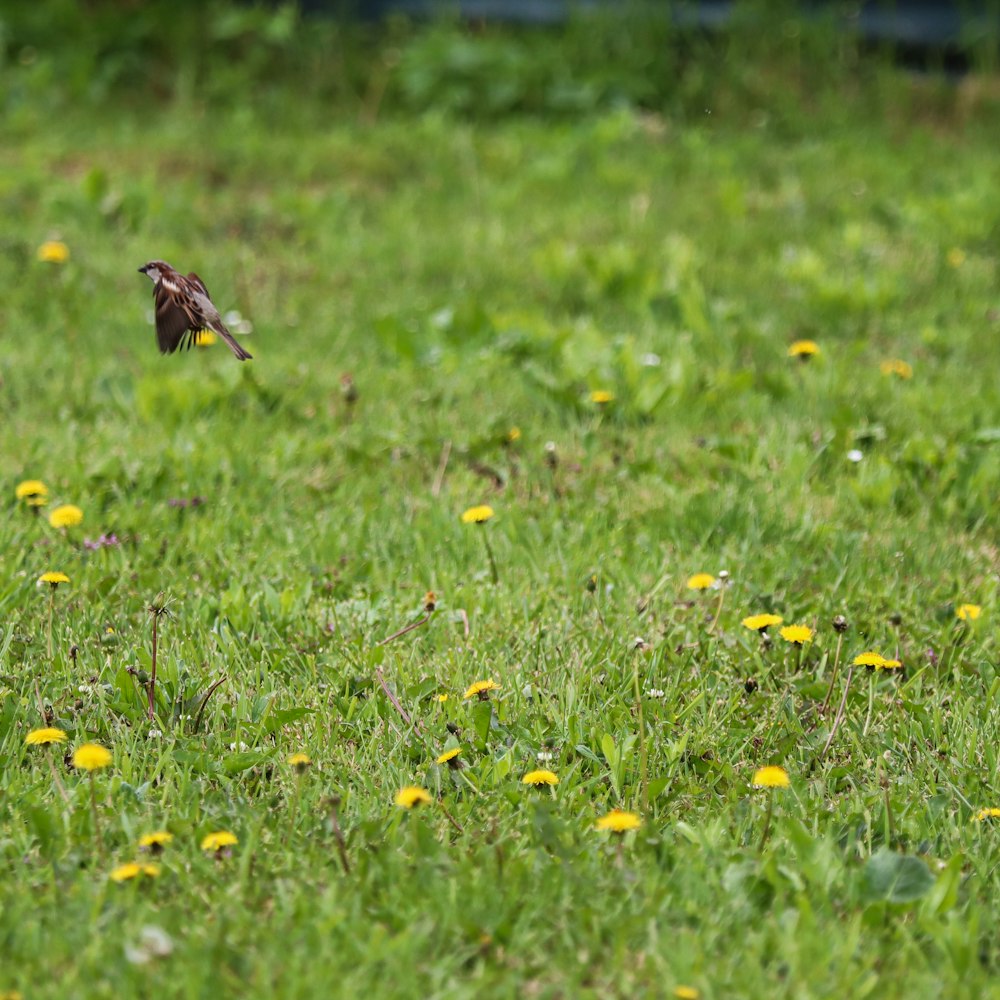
480, 280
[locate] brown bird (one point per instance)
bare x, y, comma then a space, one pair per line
183, 308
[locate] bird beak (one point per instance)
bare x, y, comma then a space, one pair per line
142, 270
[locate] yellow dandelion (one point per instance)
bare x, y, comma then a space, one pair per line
31, 489
37, 503
300, 761
155, 842
53, 252
449, 755
619, 821
412, 795
871, 660
66, 516
701, 581
686, 993
91, 757
53, 579
796, 634
477, 515
205, 338
895, 366
991, 813
43, 737
890, 665
761, 622
481, 689
442, 698
955, 257
968, 612
134, 869
803, 349
540, 777
602, 397
218, 841
514, 434
770, 777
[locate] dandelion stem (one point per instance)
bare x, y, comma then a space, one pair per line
833, 676
405, 629
395, 701
889, 822
204, 702
52, 605
839, 716
152, 676
93, 811
493, 562
295, 804
55, 777
767, 820
871, 705
718, 608
448, 816
338, 834
643, 760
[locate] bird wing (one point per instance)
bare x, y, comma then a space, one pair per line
174, 317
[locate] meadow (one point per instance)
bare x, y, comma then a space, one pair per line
728, 352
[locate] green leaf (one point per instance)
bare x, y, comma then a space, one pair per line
481, 716
237, 762
896, 878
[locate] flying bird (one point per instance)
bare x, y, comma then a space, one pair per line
183, 309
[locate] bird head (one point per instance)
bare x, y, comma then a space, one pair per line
155, 269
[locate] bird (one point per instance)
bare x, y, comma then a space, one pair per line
183, 309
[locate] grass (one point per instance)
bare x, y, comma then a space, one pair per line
475, 277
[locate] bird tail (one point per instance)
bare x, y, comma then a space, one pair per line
234, 345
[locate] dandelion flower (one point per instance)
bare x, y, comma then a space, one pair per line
541, 777
871, 660
300, 761
701, 581
442, 697
895, 366
66, 516
514, 434
686, 993
761, 622
53, 579
30, 489
91, 757
43, 737
412, 795
127, 872
991, 813
796, 634
619, 821
890, 665
770, 777
602, 397
803, 349
968, 612
477, 515
205, 338
155, 842
218, 841
481, 689
955, 257
449, 755
53, 252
